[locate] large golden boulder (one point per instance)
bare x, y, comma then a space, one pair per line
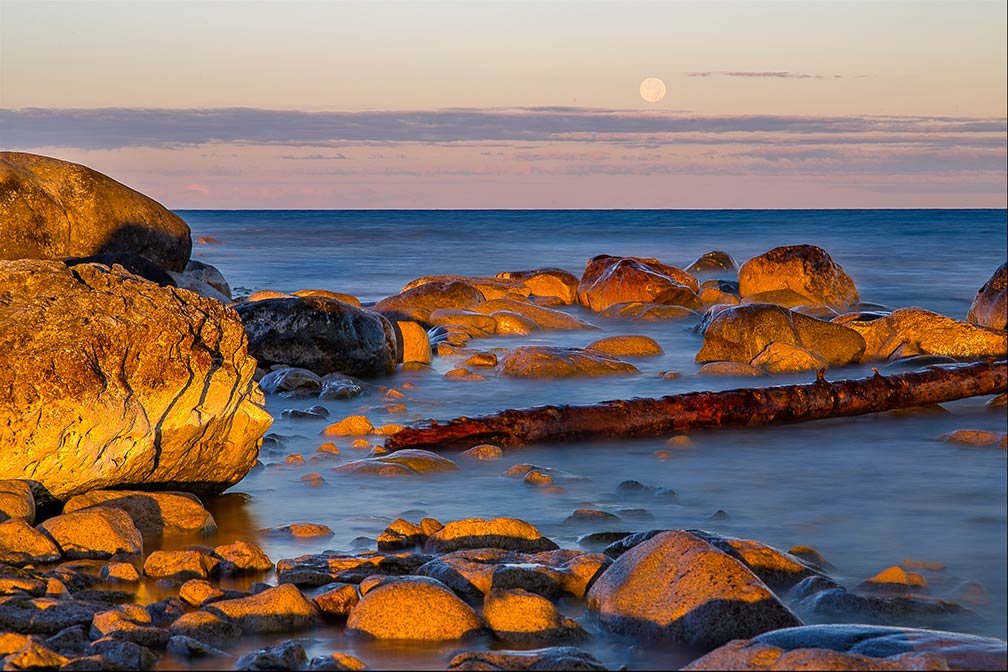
990, 306
804, 269
112, 381
51, 208
610, 280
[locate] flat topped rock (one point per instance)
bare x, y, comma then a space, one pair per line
151, 512
508, 534
97, 532
538, 361
51, 208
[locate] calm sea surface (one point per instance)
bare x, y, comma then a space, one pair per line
867, 492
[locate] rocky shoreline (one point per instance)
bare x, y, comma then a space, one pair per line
139, 386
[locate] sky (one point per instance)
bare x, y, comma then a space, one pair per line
479, 104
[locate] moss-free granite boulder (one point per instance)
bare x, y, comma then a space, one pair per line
804, 269
51, 208
413, 607
990, 305
609, 280
112, 381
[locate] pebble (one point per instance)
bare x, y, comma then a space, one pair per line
484, 451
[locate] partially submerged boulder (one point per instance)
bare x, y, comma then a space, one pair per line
51, 208
319, 334
804, 269
416, 608
163, 373
609, 280
916, 331
504, 533
547, 282
676, 587
151, 512
537, 361
416, 304
990, 306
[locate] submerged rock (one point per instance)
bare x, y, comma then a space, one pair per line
916, 331
547, 282
990, 306
416, 304
538, 361
51, 208
551, 658
857, 647
627, 346
320, 334
610, 280
164, 376
504, 533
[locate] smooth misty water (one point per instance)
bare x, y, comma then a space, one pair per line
866, 492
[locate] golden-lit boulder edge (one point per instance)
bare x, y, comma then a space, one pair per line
51, 208
110, 381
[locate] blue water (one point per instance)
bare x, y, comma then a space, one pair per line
866, 492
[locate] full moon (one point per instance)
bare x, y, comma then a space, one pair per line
652, 89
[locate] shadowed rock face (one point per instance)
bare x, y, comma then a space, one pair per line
990, 306
51, 208
112, 381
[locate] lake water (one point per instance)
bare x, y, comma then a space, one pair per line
866, 492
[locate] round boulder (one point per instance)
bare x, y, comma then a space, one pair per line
609, 280
676, 587
51, 208
319, 334
413, 608
805, 269
508, 534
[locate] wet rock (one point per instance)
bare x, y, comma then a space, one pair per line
289, 655
777, 569
335, 661
197, 592
631, 346
805, 269
780, 297
11, 642
279, 609
741, 333
21, 544
22, 585
417, 303
45, 615
328, 567
894, 580
552, 658
321, 335
546, 282
353, 425
783, 358
180, 565
208, 275
648, 312
862, 647
401, 462
677, 587
33, 655
120, 572
976, 437
165, 612
484, 359
546, 319
400, 534
242, 557
338, 600
818, 599
337, 386
301, 530
52, 208
716, 263
97, 532
16, 501
416, 608
484, 451
731, 369
463, 319
205, 627
490, 288
519, 616
129, 622
187, 647
167, 382
290, 379
610, 280
152, 512
413, 345
70, 642
504, 533
810, 556
990, 306
120, 654
915, 331
554, 362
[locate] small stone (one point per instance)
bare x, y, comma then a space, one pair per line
632, 346
331, 448
810, 555
289, 655
504, 533
34, 656
593, 515
335, 661
975, 437
720, 514
129, 622
96, 532
538, 478
974, 594
187, 647
484, 451
242, 557
198, 592
295, 459
21, 544
180, 565
165, 612
16, 501
206, 627
430, 526
663, 454
354, 425
551, 658
338, 601
680, 441
520, 616
121, 572
894, 580
484, 359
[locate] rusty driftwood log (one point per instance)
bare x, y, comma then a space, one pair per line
746, 407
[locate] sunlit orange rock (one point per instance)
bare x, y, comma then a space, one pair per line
806, 270
554, 362
608, 280
51, 208
914, 331
114, 381
546, 282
